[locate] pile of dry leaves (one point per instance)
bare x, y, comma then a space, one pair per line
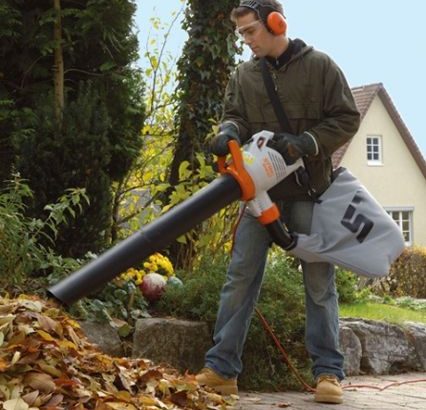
47, 363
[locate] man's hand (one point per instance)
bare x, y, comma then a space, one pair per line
292, 147
228, 131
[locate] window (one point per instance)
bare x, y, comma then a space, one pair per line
403, 219
374, 150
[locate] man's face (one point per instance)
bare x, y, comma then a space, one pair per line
253, 32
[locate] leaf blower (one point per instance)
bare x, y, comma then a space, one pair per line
248, 175
349, 227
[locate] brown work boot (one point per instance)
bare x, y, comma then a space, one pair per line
328, 389
207, 377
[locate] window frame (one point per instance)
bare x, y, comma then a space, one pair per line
400, 210
379, 161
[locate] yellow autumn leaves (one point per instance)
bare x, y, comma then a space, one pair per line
46, 362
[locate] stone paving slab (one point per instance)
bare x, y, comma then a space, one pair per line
410, 396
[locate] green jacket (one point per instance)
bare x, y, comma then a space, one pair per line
316, 98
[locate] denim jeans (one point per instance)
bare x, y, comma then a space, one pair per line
242, 287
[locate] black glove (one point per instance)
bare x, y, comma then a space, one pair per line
228, 131
292, 147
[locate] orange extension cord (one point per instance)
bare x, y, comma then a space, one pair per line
310, 389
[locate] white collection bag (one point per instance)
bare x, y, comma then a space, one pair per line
351, 229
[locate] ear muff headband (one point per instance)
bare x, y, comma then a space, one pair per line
274, 21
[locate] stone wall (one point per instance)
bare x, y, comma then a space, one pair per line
369, 347
373, 347
179, 343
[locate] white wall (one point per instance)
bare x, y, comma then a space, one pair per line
399, 181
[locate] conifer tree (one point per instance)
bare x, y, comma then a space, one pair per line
100, 109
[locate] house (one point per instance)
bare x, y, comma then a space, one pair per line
385, 158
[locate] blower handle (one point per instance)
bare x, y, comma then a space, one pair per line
237, 170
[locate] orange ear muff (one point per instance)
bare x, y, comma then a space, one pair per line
276, 23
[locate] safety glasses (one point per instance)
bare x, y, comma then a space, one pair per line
249, 29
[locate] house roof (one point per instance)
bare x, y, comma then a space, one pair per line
364, 96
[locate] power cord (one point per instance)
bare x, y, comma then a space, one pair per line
306, 386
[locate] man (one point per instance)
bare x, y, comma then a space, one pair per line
322, 114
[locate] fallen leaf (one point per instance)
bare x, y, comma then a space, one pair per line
65, 382
15, 404
5, 320
146, 400
72, 323
47, 368
42, 399
30, 398
57, 368
180, 398
29, 359
6, 307
73, 335
120, 406
32, 305
40, 381
123, 395
150, 374
55, 401
45, 336
66, 344
49, 325
15, 358
3, 365
25, 328
16, 340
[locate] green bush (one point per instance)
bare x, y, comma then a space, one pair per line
346, 283
78, 155
408, 302
198, 299
22, 253
281, 302
407, 276
120, 303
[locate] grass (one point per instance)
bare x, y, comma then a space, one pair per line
387, 313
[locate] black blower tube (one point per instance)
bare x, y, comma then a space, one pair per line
150, 239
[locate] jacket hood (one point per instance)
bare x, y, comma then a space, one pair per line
300, 49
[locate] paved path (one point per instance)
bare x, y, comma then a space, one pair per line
410, 396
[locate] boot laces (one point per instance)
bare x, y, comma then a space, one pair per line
329, 378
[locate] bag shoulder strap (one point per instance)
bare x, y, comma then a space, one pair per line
301, 174
273, 96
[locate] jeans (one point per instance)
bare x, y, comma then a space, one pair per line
241, 291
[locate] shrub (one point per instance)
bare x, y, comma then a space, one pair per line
77, 155
198, 299
281, 302
346, 283
21, 251
411, 303
120, 303
407, 276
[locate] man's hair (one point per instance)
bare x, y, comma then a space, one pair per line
241, 11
